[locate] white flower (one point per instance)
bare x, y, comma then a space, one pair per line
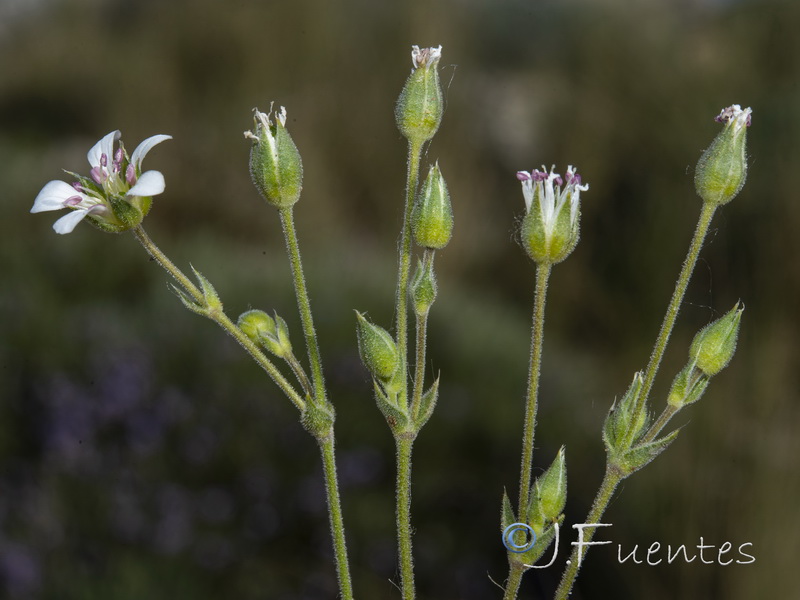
546, 187
116, 194
550, 228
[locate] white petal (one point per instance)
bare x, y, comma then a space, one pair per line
68, 222
104, 146
53, 196
150, 183
143, 148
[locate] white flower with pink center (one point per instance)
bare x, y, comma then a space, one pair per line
115, 196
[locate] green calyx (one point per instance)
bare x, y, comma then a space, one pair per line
423, 287
688, 387
722, 169
377, 349
548, 494
714, 345
420, 105
432, 218
275, 164
270, 333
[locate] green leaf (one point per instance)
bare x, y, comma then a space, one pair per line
427, 405
639, 456
397, 419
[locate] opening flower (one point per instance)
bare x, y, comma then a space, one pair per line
550, 229
114, 197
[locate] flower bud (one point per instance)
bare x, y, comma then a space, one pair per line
623, 424
377, 349
552, 487
722, 169
714, 345
550, 229
272, 334
688, 386
420, 105
432, 219
275, 164
423, 288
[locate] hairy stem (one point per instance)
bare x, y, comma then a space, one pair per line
706, 214
611, 480
537, 338
303, 304
668, 412
326, 446
404, 263
404, 446
220, 318
516, 570
421, 340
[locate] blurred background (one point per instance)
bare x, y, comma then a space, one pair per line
144, 455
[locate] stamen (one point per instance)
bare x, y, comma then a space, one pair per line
73, 201
98, 174
130, 175
523, 176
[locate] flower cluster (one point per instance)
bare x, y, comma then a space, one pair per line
117, 194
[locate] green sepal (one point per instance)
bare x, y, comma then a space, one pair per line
423, 288
377, 349
566, 233
275, 164
427, 405
541, 545
506, 513
687, 387
420, 105
621, 424
552, 487
722, 169
126, 213
209, 293
318, 418
189, 302
639, 456
432, 217
397, 418
715, 344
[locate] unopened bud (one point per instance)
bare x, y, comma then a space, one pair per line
553, 487
432, 219
275, 163
272, 334
688, 386
420, 105
722, 169
713, 347
377, 349
423, 288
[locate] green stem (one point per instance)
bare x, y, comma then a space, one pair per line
706, 214
611, 480
326, 446
516, 570
404, 263
537, 337
166, 263
293, 248
300, 373
221, 318
421, 341
668, 412
404, 442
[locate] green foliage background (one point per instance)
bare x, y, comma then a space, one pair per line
142, 455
